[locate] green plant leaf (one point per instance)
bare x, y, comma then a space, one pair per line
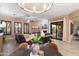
37, 38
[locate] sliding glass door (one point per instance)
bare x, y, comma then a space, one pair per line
57, 30
60, 31
17, 27
54, 30
7, 29
26, 28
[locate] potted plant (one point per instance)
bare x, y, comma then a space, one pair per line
36, 39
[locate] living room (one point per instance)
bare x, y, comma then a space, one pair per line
24, 29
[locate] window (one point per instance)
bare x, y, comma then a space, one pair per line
7, 29
17, 27
26, 28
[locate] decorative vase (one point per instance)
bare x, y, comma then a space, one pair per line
35, 49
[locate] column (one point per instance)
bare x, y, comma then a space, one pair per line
66, 29
12, 27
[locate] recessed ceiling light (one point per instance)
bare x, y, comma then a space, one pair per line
45, 6
28, 21
34, 8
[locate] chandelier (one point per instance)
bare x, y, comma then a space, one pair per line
35, 7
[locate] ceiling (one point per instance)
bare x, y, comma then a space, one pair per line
58, 9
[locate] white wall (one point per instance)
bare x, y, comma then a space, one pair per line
44, 21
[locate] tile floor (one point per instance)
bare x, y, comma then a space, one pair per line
8, 47
66, 49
